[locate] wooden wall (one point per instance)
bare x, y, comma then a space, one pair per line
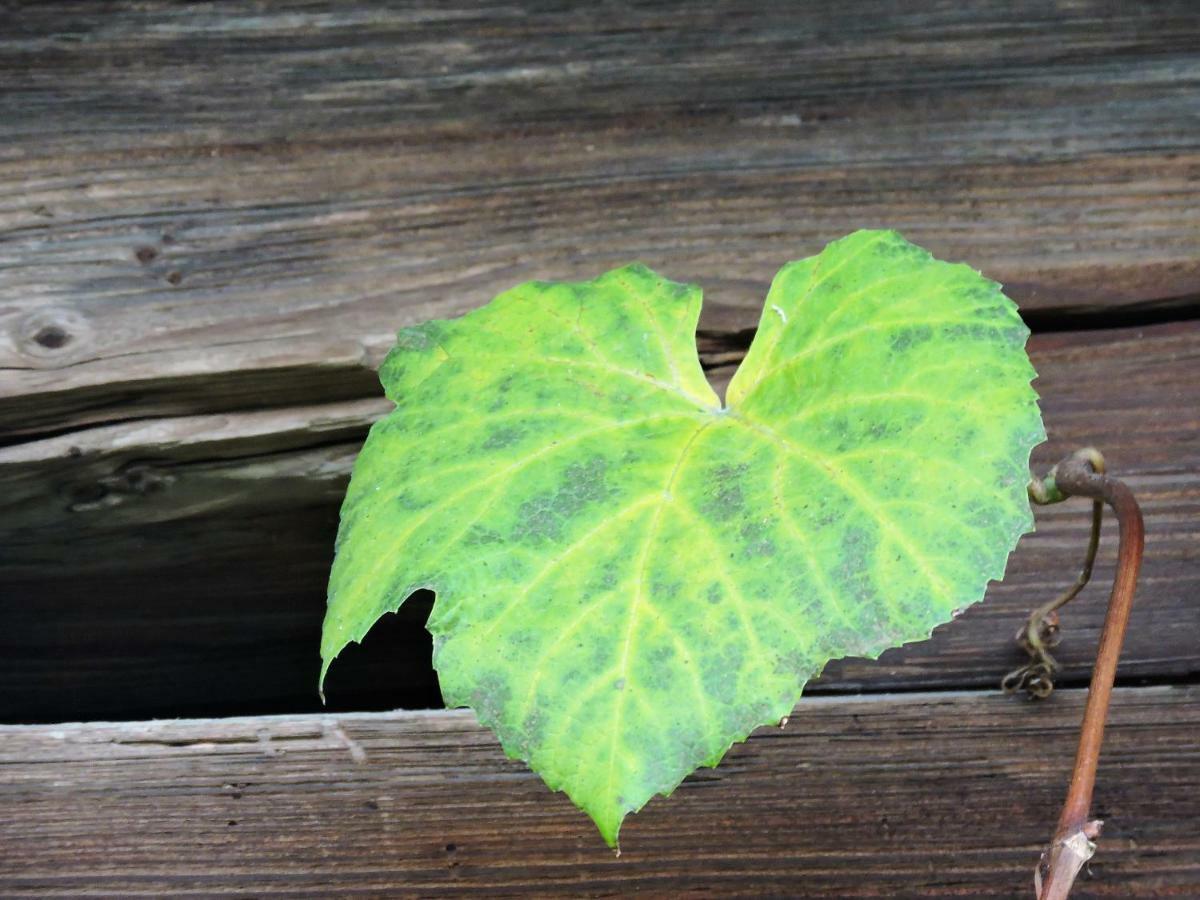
213, 217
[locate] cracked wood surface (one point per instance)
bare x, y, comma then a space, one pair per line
222, 208
178, 566
854, 798
214, 217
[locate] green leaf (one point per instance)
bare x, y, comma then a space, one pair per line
631, 576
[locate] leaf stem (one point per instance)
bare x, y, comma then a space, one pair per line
1082, 475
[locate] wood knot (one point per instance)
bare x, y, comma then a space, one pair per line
53, 334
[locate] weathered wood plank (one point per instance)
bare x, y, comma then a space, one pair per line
247, 196
919, 795
178, 566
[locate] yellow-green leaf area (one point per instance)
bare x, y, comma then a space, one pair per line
630, 575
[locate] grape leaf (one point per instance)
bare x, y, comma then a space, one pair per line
630, 575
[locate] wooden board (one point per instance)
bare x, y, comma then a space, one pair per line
214, 216
223, 208
178, 566
918, 795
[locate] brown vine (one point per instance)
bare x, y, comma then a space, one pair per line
1081, 475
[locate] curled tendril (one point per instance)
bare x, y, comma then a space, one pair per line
1040, 632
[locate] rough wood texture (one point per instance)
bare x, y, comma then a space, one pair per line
213, 218
178, 566
921, 795
224, 207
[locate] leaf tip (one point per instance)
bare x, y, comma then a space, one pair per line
325, 663
610, 828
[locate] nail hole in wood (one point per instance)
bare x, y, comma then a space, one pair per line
52, 337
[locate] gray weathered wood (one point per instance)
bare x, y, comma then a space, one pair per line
916, 795
214, 216
178, 566
221, 207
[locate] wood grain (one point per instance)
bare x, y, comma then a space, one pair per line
917, 795
219, 208
213, 217
178, 566
206, 252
